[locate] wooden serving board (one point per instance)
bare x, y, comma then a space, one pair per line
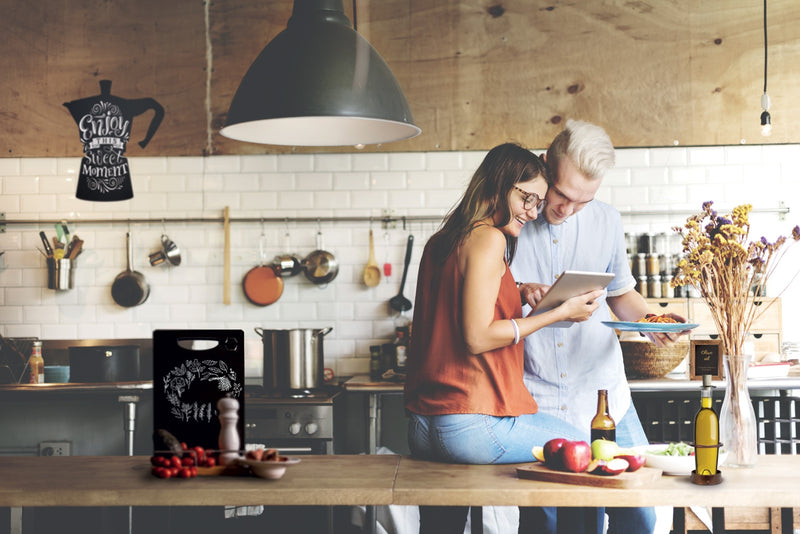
641, 477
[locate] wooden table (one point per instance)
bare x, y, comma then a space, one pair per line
126, 481
374, 480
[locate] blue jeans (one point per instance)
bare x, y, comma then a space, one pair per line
577, 520
478, 439
485, 439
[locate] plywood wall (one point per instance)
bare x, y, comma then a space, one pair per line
476, 73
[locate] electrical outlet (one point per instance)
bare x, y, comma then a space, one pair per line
54, 448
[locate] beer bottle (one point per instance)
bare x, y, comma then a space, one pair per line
603, 426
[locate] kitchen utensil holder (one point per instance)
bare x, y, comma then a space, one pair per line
60, 274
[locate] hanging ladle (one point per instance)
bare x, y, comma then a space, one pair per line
372, 273
399, 302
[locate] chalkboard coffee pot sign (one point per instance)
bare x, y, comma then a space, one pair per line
104, 124
192, 371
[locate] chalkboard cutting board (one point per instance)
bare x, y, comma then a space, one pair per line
192, 370
641, 477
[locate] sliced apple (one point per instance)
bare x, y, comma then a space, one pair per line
595, 465
538, 453
614, 467
635, 461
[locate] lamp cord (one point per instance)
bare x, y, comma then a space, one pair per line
765, 46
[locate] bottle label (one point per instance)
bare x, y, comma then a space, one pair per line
401, 356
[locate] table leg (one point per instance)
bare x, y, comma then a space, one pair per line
718, 520
129, 425
16, 520
372, 437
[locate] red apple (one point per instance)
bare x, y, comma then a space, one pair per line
635, 461
613, 467
576, 455
552, 453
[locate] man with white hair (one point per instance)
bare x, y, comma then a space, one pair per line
564, 367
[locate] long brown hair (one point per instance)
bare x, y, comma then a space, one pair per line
487, 194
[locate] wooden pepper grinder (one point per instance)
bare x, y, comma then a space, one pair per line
228, 435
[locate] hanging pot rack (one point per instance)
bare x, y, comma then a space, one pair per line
388, 221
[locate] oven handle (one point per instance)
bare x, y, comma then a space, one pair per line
282, 449
295, 449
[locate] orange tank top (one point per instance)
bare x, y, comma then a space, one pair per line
443, 376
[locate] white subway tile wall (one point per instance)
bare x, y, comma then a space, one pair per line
324, 185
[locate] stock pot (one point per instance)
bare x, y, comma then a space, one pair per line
293, 359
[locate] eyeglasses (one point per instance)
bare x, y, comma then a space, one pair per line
531, 200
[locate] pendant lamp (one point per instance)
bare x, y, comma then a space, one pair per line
319, 83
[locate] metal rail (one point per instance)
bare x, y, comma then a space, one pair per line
386, 220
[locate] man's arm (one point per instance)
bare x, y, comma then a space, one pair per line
631, 306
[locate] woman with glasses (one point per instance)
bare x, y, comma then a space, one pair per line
464, 390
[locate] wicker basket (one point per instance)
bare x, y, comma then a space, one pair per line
644, 360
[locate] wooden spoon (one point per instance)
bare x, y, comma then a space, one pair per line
372, 273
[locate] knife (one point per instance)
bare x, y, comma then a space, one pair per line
47, 247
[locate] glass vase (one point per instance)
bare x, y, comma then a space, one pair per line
738, 427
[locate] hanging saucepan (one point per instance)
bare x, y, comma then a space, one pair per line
262, 285
130, 287
287, 264
320, 266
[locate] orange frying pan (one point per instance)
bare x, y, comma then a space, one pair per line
262, 285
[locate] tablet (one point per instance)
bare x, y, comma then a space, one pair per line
572, 283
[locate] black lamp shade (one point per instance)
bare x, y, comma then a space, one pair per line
319, 83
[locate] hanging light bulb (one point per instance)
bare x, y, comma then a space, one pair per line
766, 120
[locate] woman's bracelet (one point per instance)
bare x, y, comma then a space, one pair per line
516, 331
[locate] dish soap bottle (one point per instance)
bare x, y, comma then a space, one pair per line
706, 433
603, 426
36, 364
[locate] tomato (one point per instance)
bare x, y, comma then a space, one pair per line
175, 462
187, 461
161, 472
184, 446
211, 461
185, 472
201, 454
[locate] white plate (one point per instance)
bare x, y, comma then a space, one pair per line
671, 465
626, 326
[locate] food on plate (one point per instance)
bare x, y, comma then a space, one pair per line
653, 318
675, 449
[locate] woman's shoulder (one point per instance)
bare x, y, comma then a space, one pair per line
485, 237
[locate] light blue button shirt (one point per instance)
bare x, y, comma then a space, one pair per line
564, 367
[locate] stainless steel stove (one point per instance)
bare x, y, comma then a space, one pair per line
295, 422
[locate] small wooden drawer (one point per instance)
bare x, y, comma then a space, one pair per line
768, 321
676, 306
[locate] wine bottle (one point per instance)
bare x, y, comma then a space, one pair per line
706, 433
603, 426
